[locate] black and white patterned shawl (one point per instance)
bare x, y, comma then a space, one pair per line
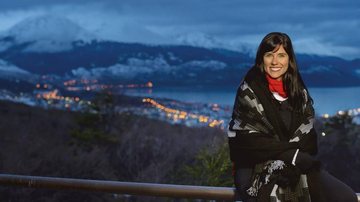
257, 135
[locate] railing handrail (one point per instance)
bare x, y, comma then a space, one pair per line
131, 188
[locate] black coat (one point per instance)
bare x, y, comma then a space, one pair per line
258, 135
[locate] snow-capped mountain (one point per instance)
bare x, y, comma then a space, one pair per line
49, 45
13, 78
45, 33
8, 68
199, 39
10, 71
124, 62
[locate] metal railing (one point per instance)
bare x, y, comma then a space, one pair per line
131, 188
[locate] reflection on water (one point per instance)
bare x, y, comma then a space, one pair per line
326, 100
331, 100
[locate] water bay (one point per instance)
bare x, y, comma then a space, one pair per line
326, 100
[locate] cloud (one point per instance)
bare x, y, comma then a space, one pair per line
313, 46
330, 26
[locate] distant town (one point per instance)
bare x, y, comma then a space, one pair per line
49, 95
69, 95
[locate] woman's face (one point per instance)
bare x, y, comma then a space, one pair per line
276, 63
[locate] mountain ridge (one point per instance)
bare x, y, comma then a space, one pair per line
164, 65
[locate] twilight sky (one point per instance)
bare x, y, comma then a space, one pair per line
326, 27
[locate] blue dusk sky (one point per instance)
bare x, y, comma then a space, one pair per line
325, 27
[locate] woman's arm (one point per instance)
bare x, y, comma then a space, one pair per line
304, 161
252, 148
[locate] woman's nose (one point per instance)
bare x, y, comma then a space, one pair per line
274, 60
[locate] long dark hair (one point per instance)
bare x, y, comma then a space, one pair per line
292, 81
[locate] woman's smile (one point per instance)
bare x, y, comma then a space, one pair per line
276, 63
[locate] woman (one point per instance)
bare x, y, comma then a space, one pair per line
271, 135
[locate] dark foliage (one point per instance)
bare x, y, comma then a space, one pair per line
41, 142
339, 149
126, 147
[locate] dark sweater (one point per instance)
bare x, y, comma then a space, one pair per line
260, 133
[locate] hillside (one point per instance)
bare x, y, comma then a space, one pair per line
127, 147
41, 142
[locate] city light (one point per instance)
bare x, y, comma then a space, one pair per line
149, 84
176, 114
94, 85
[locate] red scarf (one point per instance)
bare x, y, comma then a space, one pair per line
276, 86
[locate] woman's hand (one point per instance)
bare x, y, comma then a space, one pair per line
306, 163
288, 177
